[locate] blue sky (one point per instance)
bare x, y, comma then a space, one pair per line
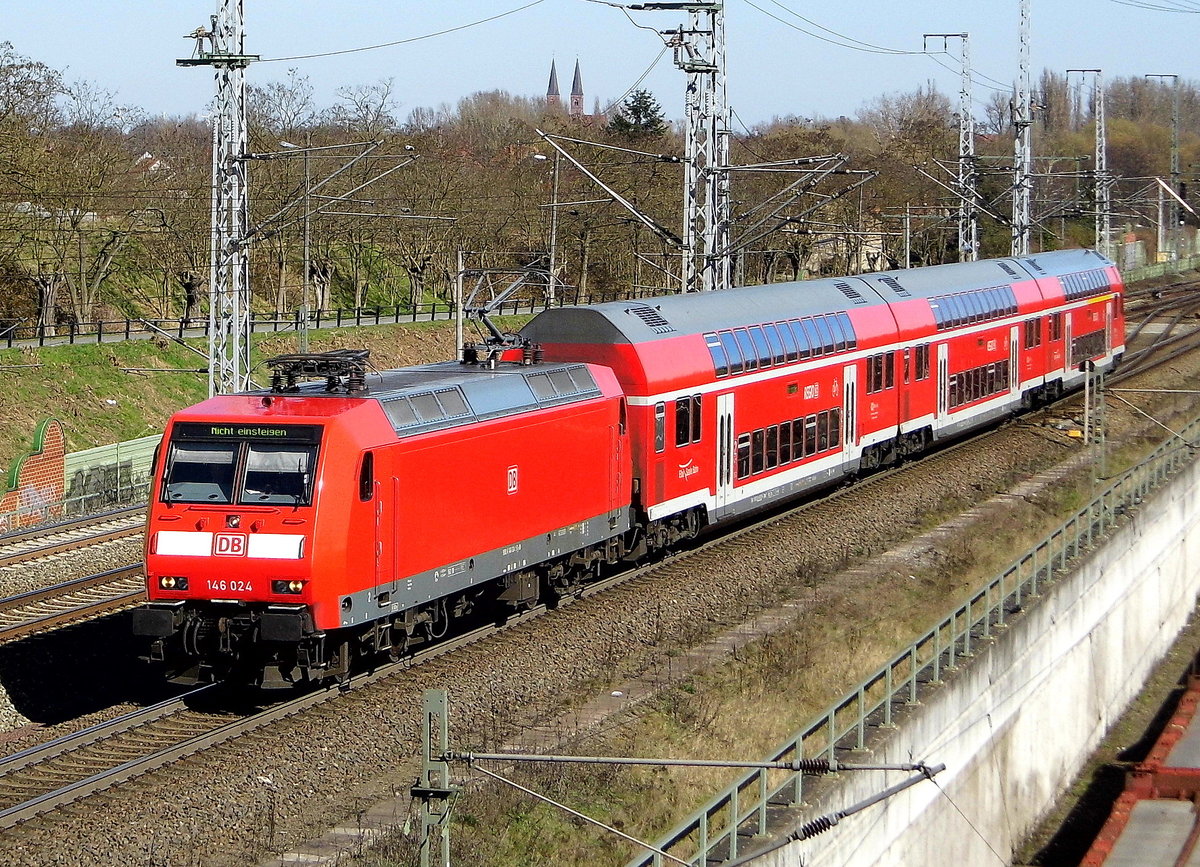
129, 46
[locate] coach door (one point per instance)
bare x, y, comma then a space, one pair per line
943, 375
849, 409
726, 450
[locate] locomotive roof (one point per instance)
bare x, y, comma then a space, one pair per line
447, 394
651, 319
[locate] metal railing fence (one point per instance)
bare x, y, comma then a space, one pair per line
26, 333
715, 831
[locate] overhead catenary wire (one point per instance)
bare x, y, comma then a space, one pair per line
406, 41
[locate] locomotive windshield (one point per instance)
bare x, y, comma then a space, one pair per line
242, 466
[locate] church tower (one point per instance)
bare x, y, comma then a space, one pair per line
577, 93
553, 100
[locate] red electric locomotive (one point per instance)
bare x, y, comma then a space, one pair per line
291, 529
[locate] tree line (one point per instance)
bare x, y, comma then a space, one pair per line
105, 212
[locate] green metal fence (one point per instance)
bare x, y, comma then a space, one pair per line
714, 833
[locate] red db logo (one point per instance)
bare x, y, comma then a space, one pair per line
229, 545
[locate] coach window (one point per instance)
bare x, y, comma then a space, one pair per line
758, 444
810, 435
797, 439
785, 443
907, 366
839, 339
761, 349
848, 330
814, 338
889, 370
683, 421
746, 345
922, 362
743, 456
835, 428
687, 420
1033, 335
366, 477
790, 347
826, 334
660, 426
978, 307
772, 447
802, 341
720, 361
1056, 326
775, 342
733, 353
822, 431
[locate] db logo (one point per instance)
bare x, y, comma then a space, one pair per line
512, 480
229, 544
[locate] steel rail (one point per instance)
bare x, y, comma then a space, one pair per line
60, 595
69, 525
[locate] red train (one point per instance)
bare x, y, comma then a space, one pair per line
293, 529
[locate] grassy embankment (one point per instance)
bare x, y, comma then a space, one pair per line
87, 386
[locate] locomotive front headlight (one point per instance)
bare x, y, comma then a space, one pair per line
172, 582
291, 587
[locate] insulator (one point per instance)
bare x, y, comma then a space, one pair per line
356, 381
815, 827
527, 354
811, 766
276, 382
538, 354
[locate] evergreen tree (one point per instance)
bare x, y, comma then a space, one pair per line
639, 117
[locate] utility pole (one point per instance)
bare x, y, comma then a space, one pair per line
1101, 186
968, 217
700, 52
229, 273
1022, 117
1171, 236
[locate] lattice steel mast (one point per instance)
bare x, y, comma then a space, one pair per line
1171, 233
700, 52
229, 273
1102, 185
965, 186
1022, 116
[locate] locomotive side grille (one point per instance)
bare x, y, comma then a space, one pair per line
653, 318
1007, 269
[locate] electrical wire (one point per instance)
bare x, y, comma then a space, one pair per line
850, 42
978, 833
1185, 6
403, 41
620, 99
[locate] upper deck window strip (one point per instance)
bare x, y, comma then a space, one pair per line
772, 344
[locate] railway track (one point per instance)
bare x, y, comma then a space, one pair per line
23, 545
69, 601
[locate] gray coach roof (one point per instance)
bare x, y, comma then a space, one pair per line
666, 316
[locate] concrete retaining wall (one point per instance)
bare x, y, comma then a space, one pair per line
1016, 724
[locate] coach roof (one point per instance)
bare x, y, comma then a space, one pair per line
652, 319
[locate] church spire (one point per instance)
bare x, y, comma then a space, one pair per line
552, 96
577, 93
